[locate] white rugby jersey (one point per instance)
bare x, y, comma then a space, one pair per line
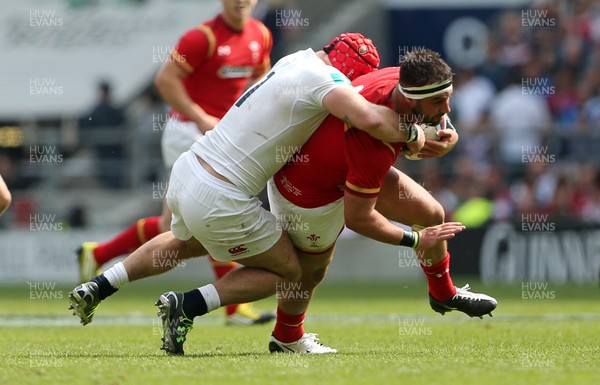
270, 121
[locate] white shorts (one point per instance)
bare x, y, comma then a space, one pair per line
230, 224
311, 230
177, 138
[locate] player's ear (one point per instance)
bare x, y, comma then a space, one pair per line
411, 102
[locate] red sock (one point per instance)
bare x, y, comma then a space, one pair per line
439, 280
220, 269
289, 327
136, 235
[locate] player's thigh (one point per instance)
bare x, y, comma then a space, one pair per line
281, 259
229, 223
311, 230
193, 248
403, 200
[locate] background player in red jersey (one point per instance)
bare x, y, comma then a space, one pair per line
207, 71
306, 197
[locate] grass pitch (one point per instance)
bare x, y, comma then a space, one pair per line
385, 333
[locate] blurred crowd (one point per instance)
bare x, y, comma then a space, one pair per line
529, 121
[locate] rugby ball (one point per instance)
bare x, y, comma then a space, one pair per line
430, 134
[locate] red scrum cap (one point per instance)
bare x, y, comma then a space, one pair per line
352, 54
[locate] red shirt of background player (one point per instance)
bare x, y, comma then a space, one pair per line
337, 158
219, 61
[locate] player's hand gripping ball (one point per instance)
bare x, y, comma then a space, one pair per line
430, 133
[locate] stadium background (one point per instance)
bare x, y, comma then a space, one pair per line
525, 176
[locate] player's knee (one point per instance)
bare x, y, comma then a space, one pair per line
291, 276
293, 270
438, 213
318, 275
314, 268
295, 274
434, 214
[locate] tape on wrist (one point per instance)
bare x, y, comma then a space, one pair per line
410, 239
413, 133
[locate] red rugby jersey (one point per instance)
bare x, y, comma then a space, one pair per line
336, 159
219, 62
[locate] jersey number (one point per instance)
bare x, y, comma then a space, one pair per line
250, 91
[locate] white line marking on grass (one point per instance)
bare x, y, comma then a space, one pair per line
41, 320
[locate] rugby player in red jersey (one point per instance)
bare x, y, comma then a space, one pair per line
206, 73
213, 188
344, 176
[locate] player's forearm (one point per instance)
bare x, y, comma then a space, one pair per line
375, 226
5, 196
173, 92
389, 127
384, 124
378, 121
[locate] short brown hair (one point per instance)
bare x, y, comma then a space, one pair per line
423, 66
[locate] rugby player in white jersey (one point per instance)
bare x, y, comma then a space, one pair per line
213, 187
351, 183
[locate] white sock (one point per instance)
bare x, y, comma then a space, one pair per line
117, 275
209, 292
